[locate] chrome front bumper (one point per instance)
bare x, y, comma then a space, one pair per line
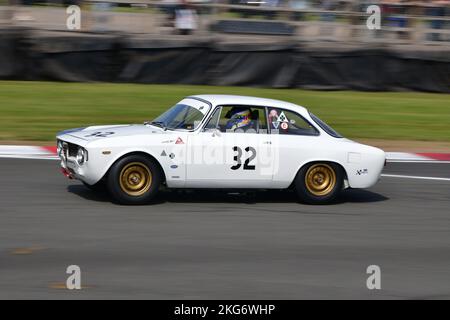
69, 165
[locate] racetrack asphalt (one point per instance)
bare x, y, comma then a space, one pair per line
213, 245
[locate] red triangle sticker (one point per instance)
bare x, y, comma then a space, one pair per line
179, 141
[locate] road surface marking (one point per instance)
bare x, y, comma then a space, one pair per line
414, 177
417, 161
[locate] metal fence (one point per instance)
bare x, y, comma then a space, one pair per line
414, 23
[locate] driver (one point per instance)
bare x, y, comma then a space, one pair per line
239, 120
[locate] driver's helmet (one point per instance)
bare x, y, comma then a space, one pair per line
239, 120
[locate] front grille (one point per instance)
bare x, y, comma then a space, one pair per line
69, 149
65, 147
73, 149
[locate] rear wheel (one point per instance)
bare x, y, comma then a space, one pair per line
319, 183
134, 180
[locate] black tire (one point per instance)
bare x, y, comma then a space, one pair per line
129, 173
317, 190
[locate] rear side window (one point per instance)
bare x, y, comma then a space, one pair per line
288, 122
325, 127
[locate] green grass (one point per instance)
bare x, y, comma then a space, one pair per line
36, 111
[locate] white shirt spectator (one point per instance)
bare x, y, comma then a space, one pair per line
185, 19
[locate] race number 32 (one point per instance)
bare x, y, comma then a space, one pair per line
238, 158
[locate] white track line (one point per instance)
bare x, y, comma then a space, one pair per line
414, 177
406, 156
417, 161
31, 157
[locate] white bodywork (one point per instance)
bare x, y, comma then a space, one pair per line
202, 158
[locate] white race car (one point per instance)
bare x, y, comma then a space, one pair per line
224, 142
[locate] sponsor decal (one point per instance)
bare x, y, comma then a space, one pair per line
172, 155
278, 120
173, 166
282, 117
179, 141
362, 171
163, 154
273, 116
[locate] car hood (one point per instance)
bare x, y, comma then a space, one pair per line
105, 132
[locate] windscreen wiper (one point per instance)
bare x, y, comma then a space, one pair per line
160, 124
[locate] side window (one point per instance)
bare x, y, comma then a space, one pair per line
325, 127
214, 120
243, 119
287, 122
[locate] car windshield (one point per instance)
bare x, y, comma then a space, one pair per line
180, 116
325, 127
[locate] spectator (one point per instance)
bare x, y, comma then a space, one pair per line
394, 14
436, 9
186, 19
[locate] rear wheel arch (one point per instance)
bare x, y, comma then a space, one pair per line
319, 161
319, 181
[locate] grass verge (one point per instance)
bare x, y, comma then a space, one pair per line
36, 111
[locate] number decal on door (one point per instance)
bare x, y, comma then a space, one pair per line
253, 156
238, 156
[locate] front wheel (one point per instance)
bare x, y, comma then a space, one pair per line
134, 180
319, 183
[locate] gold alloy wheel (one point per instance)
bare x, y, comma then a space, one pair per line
135, 179
320, 179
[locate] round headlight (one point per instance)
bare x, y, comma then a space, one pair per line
81, 156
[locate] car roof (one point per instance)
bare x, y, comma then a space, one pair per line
222, 99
